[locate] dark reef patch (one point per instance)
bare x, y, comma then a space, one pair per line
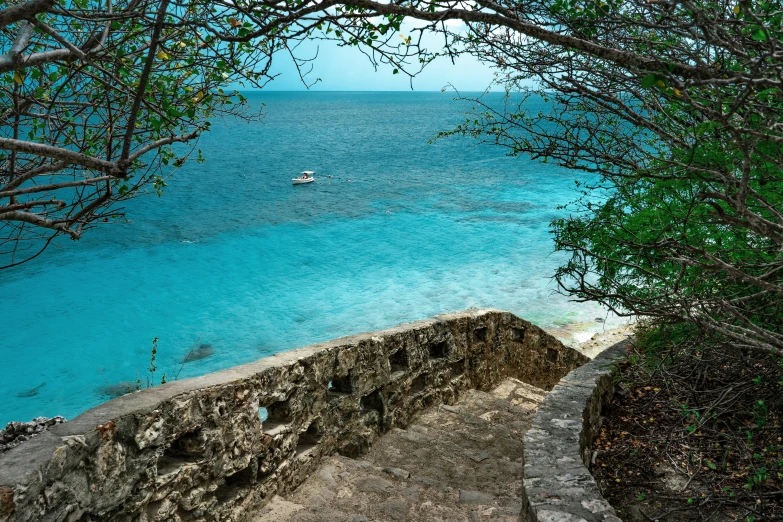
32, 392
202, 352
116, 389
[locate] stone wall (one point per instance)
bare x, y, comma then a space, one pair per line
558, 485
217, 447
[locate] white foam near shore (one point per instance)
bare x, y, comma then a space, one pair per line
582, 337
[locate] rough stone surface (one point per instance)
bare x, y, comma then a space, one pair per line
218, 447
16, 433
558, 486
442, 482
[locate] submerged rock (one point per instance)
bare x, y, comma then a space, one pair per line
202, 352
117, 389
32, 392
16, 433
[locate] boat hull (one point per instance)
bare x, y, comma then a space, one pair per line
299, 181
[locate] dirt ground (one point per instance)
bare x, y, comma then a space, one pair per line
694, 435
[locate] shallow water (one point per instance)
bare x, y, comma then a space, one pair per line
235, 257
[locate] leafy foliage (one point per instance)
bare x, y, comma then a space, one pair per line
675, 109
95, 95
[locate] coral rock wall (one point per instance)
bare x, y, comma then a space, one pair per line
217, 447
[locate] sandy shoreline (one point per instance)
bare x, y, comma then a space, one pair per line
584, 338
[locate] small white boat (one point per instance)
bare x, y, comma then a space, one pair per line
306, 177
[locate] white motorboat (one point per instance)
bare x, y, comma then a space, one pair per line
306, 177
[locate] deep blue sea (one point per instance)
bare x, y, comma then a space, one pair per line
233, 256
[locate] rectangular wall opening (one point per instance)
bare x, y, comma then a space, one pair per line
517, 334
275, 417
237, 482
372, 402
480, 334
309, 438
189, 447
399, 361
371, 409
439, 349
339, 386
419, 384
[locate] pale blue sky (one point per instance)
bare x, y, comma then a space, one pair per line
347, 69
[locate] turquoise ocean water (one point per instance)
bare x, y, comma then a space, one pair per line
235, 257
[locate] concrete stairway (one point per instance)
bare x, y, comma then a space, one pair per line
457, 463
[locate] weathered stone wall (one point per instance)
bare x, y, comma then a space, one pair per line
215, 448
558, 485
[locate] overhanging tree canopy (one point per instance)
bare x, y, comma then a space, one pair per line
675, 105
95, 92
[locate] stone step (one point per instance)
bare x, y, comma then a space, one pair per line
460, 463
